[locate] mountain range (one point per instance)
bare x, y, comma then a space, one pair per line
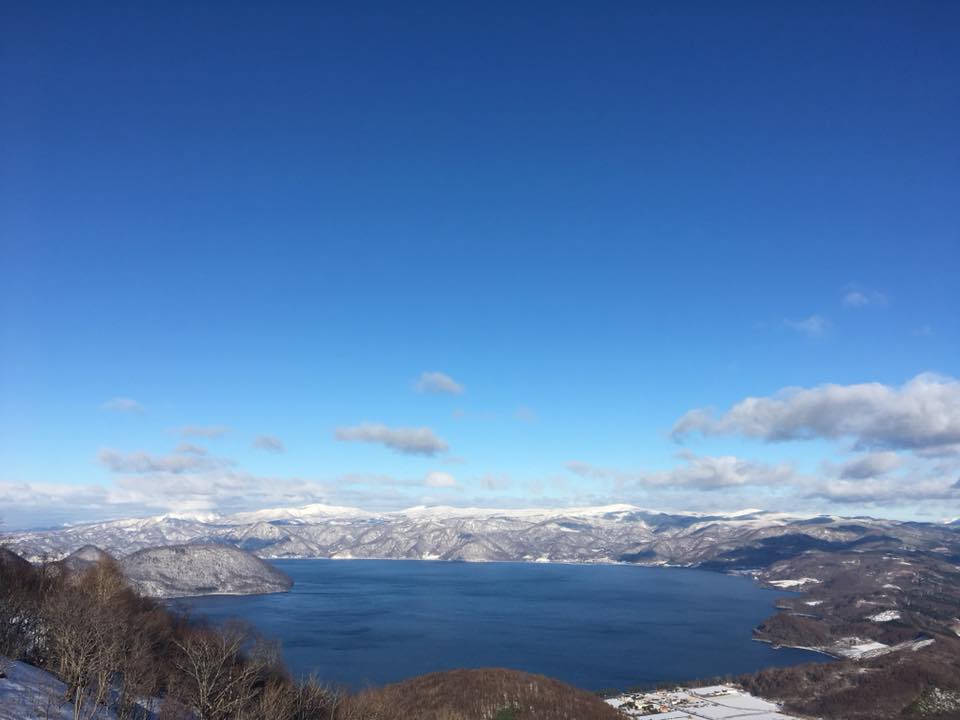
611, 533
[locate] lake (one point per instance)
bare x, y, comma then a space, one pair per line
361, 622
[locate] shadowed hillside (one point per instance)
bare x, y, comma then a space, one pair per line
488, 694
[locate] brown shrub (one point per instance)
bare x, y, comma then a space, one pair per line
488, 694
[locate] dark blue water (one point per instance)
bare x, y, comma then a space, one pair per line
597, 626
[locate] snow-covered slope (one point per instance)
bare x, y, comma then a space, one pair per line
29, 693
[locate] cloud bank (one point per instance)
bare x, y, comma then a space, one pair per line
697, 473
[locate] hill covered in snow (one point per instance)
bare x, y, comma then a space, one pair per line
188, 570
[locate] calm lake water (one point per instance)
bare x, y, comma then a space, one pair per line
596, 626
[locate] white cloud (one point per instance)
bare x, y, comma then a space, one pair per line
923, 414
856, 297
123, 405
813, 326
410, 441
204, 431
438, 479
438, 383
270, 443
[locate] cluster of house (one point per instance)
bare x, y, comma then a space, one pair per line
716, 702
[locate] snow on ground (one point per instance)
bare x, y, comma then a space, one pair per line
29, 693
717, 702
793, 583
857, 648
885, 616
860, 649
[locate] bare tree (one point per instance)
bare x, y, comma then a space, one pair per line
19, 618
307, 700
86, 634
216, 677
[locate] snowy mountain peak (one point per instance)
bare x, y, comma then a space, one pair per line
204, 517
446, 511
314, 511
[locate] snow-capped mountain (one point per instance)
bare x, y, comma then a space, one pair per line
612, 533
307, 513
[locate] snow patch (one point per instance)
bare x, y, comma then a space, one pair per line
857, 648
29, 693
793, 583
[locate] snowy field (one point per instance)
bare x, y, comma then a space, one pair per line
29, 693
717, 702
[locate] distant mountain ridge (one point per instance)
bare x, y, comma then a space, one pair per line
612, 533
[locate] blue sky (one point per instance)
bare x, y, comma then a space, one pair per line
593, 217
